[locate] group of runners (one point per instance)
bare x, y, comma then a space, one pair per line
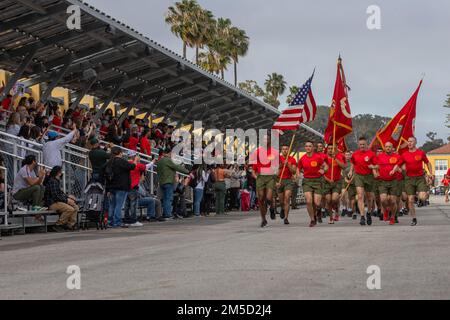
382, 184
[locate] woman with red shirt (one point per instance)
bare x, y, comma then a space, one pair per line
313, 167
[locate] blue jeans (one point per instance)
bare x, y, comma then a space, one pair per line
116, 202
150, 203
167, 194
131, 207
198, 196
252, 198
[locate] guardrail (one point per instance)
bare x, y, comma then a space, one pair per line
4, 206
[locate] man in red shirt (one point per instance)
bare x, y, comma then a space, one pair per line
313, 167
415, 181
388, 185
321, 212
445, 182
130, 219
265, 163
362, 173
332, 185
287, 183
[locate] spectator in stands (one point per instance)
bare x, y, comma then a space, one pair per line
22, 108
57, 120
146, 147
13, 125
118, 184
28, 184
166, 170
146, 199
198, 178
98, 158
7, 102
133, 139
131, 202
235, 187
114, 133
52, 148
58, 201
220, 174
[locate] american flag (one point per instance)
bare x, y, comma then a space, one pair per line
302, 109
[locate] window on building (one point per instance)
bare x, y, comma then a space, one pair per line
441, 165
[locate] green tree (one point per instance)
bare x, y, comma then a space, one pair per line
447, 105
432, 143
239, 45
179, 17
202, 26
252, 88
275, 87
293, 92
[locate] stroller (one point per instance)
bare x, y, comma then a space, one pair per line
93, 207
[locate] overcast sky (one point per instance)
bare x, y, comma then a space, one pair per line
291, 37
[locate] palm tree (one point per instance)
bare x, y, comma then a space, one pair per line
239, 44
275, 87
200, 31
180, 18
293, 92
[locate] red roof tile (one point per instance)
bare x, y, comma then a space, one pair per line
442, 150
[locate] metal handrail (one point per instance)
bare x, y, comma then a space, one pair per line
5, 213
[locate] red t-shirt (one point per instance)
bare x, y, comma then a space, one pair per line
136, 174
6, 103
361, 160
264, 161
448, 173
445, 182
414, 162
337, 170
145, 146
386, 164
132, 143
311, 166
57, 121
287, 172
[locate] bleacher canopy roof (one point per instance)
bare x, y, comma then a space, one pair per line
115, 63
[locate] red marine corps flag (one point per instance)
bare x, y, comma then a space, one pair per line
401, 127
340, 120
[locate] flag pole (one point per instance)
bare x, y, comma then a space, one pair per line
287, 158
334, 145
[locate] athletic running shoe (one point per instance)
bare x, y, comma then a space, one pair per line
400, 213
282, 215
324, 213
414, 222
331, 221
313, 224
396, 219
369, 219
273, 214
264, 224
336, 218
392, 221
355, 217
344, 212
349, 213
286, 221
319, 217
363, 221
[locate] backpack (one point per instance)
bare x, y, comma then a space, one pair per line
209, 185
109, 171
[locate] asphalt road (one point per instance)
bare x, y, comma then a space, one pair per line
232, 258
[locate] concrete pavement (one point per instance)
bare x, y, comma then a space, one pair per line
232, 258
